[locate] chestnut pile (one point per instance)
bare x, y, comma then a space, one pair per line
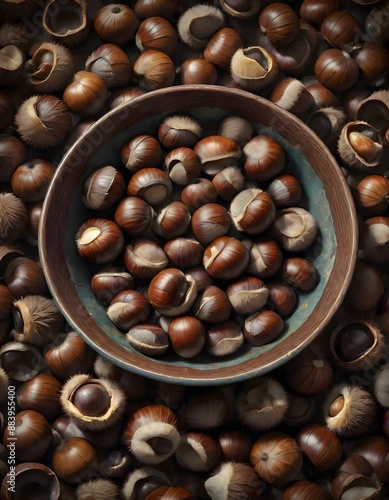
203, 224
318, 427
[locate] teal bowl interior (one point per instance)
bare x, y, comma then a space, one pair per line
326, 196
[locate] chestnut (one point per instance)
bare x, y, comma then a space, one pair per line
262, 403
247, 295
263, 327
184, 252
148, 339
299, 273
31, 180
236, 128
157, 33
92, 403
198, 23
172, 292
99, 241
24, 276
98, 487
366, 288
116, 23
265, 258
12, 154
252, 211
74, 459
336, 70
237, 479
36, 319
279, 23
209, 222
151, 434
179, 131
315, 11
373, 235
198, 193
183, 165
371, 195
162, 8
226, 258
43, 121
254, 68
42, 394
225, 338
222, 46
305, 489
217, 152
31, 434
142, 151
228, 182
198, 452
86, 94
171, 220
212, 305
154, 70
144, 258
68, 356
291, 94
276, 458
103, 188
294, 228
128, 308
133, 216
21, 361
198, 70
151, 185
187, 336
359, 145
110, 281
320, 445
341, 30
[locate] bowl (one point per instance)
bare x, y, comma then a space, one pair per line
327, 197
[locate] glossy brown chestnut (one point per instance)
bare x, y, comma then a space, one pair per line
304, 490
341, 30
212, 305
144, 258
336, 70
154, 69
299, 273
12, 154
179, 131
109, 282
86, 94
99, 241
31, 180
222, 46
225, 338
116, 23
152, 185
366, 288
184, 252
103, 188
265, 258
198, 452
276, 458
320, 445
198, 23
226, 258
24, 276
142, 151
157, 33
279, 23
133, 216
209, 222
148, 339
74, 460
315, 11
187, 336
41, 394
262, 328
199, 192
372, 195
128, 308
264, 158
111, 64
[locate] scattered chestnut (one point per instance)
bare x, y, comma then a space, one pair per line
154, 70
320, 445
336, 70
156, 33
279, 23
31, 180
198, 193
265, 258
116, 23
225, 338
198, 70
86, 94
198, 23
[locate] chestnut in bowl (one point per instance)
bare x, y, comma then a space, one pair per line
327, 197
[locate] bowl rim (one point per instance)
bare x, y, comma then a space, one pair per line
180, 374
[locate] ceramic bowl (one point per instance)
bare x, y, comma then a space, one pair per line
327, 197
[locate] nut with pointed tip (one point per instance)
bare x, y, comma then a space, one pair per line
183, 165
41, 394
133, 216
285, 191
276, 458
217, 152
198, 452
74, 460
184, 252
86, 94
320, 445
111, 64
291, 95
265, 258
31, 180
151, 434
198, 192
198, 70
371, 195
222, 46
212, 305
171, 291
116, 23
157, 33
282, 298
336, 70
92, 403
24, 276
299, 273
